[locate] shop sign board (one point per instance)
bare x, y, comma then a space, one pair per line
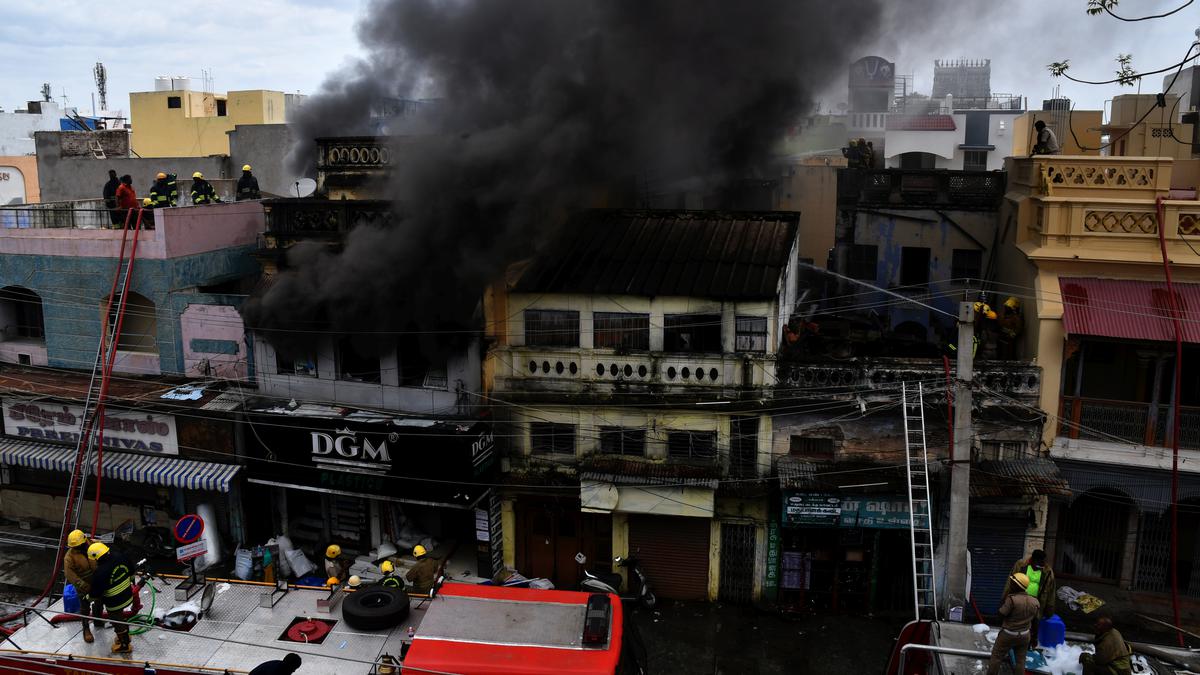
146, 432
193, 550
811, 508
883, 514
345, 448
771, 587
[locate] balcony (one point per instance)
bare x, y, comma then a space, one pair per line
78, 229
606, 371
293, 219
347, 165
935, 187
851, 379
1126, 422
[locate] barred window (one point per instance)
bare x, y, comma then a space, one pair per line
547, 438
692, 445
751, 334
622, 441
552, 327
615, 330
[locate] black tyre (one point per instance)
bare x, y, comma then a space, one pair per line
375, 608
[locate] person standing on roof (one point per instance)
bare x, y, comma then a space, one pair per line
1011, 324
1047, 142
247, 186
115, 217
113, 582
162, 193
423, 575
288, 665
126, 198
336, 567
79, 569
203, 191
1019, 610
389, 579
1042, 585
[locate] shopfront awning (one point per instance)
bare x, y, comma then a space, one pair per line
1128, 309
151, 469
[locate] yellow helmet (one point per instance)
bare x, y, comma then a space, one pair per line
76, 538
354, 581
197, 175
332, 581
245, 167
1012, 303
146, 201
419, 551
387, 567
1020, 579
160, 175
333, 551
97, 550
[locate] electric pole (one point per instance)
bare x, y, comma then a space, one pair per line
960, 465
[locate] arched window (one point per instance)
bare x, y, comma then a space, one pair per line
21, 314
139, 329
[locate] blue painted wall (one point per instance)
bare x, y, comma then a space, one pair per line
73, 290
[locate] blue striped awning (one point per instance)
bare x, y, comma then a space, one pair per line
152, 469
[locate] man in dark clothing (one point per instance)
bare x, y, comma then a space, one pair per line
203, 191
110, 198
287, 666
1019, 610
1112, 654
160, 193
247, 187
113, 583
423, 575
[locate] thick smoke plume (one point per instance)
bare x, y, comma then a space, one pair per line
542, 108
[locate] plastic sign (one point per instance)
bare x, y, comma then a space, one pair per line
192, 550
189, 528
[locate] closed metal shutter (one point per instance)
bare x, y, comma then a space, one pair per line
674, 554
995, 544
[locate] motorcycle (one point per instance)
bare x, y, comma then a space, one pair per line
610, 582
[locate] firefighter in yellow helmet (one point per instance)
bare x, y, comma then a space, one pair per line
203, 191
1011, 325
79, 569
247, 185
424, 574
1019, 609
113, 582
389, 579
335, 564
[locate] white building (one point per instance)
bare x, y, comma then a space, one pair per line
17, 127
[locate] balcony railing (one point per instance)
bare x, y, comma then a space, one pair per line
78, 214
1089, 177
1126, 422
900, 187
353, 152
565, 369
324, 218
1009, 378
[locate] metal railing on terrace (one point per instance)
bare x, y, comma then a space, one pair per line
911, 187
1126, 422
81, 214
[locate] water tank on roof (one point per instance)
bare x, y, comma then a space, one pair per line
181, 83
162, 83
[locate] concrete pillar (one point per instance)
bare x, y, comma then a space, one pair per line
1035, 534
714, 560
620, 543
508, 532
1129, 559
728, 327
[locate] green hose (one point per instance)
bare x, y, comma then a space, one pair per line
147, 620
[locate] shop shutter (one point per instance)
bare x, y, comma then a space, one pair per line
995, 544
674, 554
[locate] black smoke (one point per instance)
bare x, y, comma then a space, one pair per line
544, 107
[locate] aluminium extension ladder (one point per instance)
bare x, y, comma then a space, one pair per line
921, 520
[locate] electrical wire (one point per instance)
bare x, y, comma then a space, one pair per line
1102, 4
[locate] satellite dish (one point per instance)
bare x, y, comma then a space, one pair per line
304, 187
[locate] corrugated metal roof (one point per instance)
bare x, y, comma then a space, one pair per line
920, 123
628, 471
1017, 477
1129, 309
709, 254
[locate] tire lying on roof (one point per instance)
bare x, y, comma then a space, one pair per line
375, 608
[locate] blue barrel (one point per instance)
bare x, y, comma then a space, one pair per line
70, 599
1052, 632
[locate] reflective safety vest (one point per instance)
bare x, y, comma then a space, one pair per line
391, 581
1035, 580
119, 593
203, 192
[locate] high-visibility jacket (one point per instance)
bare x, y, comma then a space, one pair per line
162, 194
112, 582
391, 581
203, 192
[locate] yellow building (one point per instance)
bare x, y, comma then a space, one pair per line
1078, 131
1098, 317
183, 122
1139, 127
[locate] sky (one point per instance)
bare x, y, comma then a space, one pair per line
294, 45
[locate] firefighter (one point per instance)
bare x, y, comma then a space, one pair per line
203, 191
247, 185
1018, 610
866, 153
1011, 324
985, 326
147, 213
335, 565
1112, 652
390, 580
853, 154
113, 582
162, 193
1042, 585
288, 665
423, 575
79, 570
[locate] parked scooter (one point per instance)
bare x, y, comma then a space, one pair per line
610, 582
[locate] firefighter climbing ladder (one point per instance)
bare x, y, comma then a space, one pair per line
920, 519
92, 428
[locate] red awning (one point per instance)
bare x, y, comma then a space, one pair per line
1133, 310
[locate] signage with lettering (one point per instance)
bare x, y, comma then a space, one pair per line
879, 513
123, 430
345, 448
811, 508
774, 540
883, 512
192, 550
